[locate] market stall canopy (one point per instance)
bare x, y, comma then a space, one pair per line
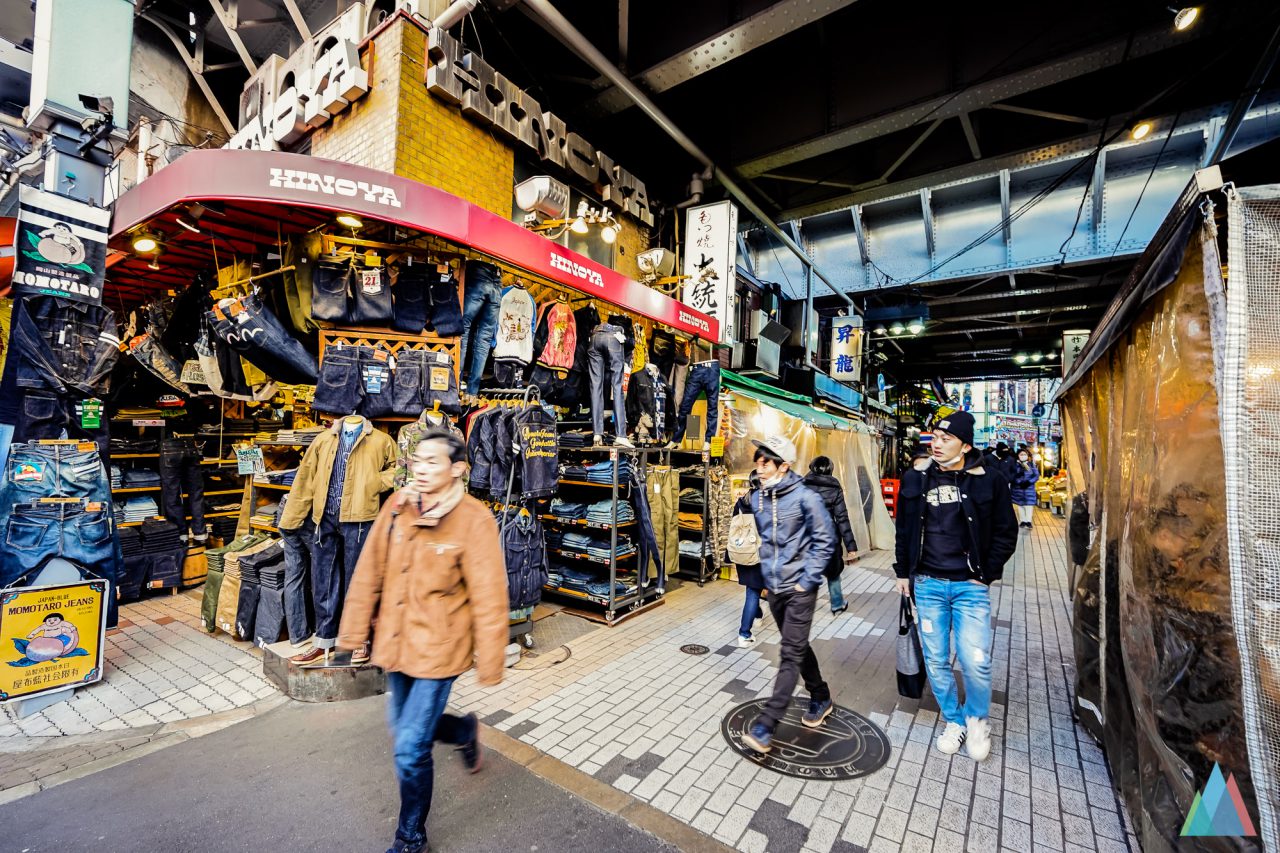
225, 202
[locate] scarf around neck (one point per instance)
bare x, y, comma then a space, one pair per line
448, 499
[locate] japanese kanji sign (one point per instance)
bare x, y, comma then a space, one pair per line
60, 247
846, 348
51, 637
710, 261
1072, 345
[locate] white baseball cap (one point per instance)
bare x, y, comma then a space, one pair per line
778, 446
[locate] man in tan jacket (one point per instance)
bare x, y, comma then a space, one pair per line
432, 575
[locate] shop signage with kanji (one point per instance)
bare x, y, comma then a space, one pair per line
710, 263
846, 349
51, 637
1072, 345
60, 248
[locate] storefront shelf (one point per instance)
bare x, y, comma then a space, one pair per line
272, 486
577, 556
621, 485
258, 525
262, 443
127, 490
212, 461
227, 514
220, 492
115, 456
582, 522
620, 601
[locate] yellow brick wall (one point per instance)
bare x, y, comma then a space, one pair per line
633, 239
365, 132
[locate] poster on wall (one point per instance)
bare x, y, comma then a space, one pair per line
710, 262
60, 248
846, 349
51, 637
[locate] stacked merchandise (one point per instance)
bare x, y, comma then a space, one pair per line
300, 436
601, 513
139, 508
693, 548
690, 520
595, 548
117, 477
164, 552
600, 473
141, 478
568, 511
213, 583
266, 514
266, 600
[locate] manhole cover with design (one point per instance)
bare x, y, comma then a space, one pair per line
846, 746
694, 649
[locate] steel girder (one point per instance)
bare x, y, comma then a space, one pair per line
1015, 219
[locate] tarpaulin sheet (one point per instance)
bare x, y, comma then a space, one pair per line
849, 444
1158, 672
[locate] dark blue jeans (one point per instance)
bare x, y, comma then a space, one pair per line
35, 532
702, 377
482, 296
333, 562
257, 334
180, 471
339, 390
605, 352
751, 611
417, 719
297, 579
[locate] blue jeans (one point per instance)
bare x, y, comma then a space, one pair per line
604, 353
256, 334
751, 611
482, 296
965, 608
702, 377
416, 715
836, 593
333, 562
297, 579
34, 532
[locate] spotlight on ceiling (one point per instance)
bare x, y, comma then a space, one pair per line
915, 327
187, 225
1021, 358
544, 195
145, 241
155, 262
881, 330
1051, 356
1037, 357
579, 225
1141, 130
346, 220
1185, 18
897, 328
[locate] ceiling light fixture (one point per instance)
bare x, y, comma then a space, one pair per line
187, 225
155, 262
1141, 130
881, 330
145, 242
915, 327
897, 328
1037, 357
579, 225
348, 221
1185, 18
1021, 358
1051, 356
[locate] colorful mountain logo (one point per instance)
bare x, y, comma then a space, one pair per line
1219, 810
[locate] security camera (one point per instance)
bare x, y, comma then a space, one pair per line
656, 263
103, 105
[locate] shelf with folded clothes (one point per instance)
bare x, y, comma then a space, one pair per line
273, 486
115, 456
259, 525
582, 522
580, 555
227, 514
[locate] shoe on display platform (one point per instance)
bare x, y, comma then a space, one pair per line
978, 741
952, 739
315, 657
360, 656
471, 749
623, 441
758, 737
817, 713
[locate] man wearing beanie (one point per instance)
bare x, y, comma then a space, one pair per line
956, 530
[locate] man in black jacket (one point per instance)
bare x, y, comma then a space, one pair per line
956, 530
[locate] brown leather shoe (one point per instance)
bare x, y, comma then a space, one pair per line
360, 656
315, 657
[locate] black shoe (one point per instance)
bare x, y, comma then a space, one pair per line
401, 847
471, 749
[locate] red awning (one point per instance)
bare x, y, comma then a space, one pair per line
251, 199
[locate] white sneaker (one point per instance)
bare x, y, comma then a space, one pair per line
706, 445
978, 743
950, 741
623, 441
749, 642
597, 440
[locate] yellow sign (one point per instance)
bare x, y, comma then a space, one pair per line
51, 637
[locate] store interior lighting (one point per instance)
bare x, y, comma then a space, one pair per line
346, 220
1037, 357
881, 330
1141, 130
915, 327
187, 225
897, 328
1185, 18
1020, 358
145, 242
609, 233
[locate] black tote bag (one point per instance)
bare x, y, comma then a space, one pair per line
911, 674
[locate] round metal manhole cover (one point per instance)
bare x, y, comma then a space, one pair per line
846, 746
694, 649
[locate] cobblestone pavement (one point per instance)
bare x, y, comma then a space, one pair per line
631, 710
161, 667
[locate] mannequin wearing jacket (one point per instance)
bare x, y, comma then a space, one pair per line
339, 486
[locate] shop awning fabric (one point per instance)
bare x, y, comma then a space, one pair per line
248, 200
785, 401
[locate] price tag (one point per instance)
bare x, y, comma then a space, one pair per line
148, 422
249, 461
371, 282
90, 414
192, 374
439, 379
375, 377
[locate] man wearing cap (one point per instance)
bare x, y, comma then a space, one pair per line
797, 541
956, 530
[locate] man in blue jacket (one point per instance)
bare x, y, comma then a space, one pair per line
956, 530
796, 542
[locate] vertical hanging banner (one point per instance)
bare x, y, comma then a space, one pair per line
846, 349
710, 262
60, 247
1073, 342
51, 637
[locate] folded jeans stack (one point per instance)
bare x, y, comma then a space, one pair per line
561, 508
117, 477
692, 547
138, 478
574, 439
140, 508
158, 536
601, 512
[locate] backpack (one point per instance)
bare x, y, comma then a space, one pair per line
744, 539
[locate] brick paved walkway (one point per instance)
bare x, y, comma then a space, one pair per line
631, 710
161, 667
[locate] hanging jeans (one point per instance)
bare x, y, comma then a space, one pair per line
663, 491
250, 329
704, 376
34, 532
945, 607
297, 580
415, 713
180, 471
793, 612
333, 562
605, 352
649, 551
482, 296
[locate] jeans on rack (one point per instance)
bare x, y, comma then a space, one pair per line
297, 579
338, 390
702, 377
649, 550
180, 471
157, 361
605, 352
35, 471
250, 329
410, 294
415, 714
421, 379
945, 607
34, 532
333, 562
793, 612
482, 296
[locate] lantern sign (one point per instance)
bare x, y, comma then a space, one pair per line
846, 348
1072, 345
